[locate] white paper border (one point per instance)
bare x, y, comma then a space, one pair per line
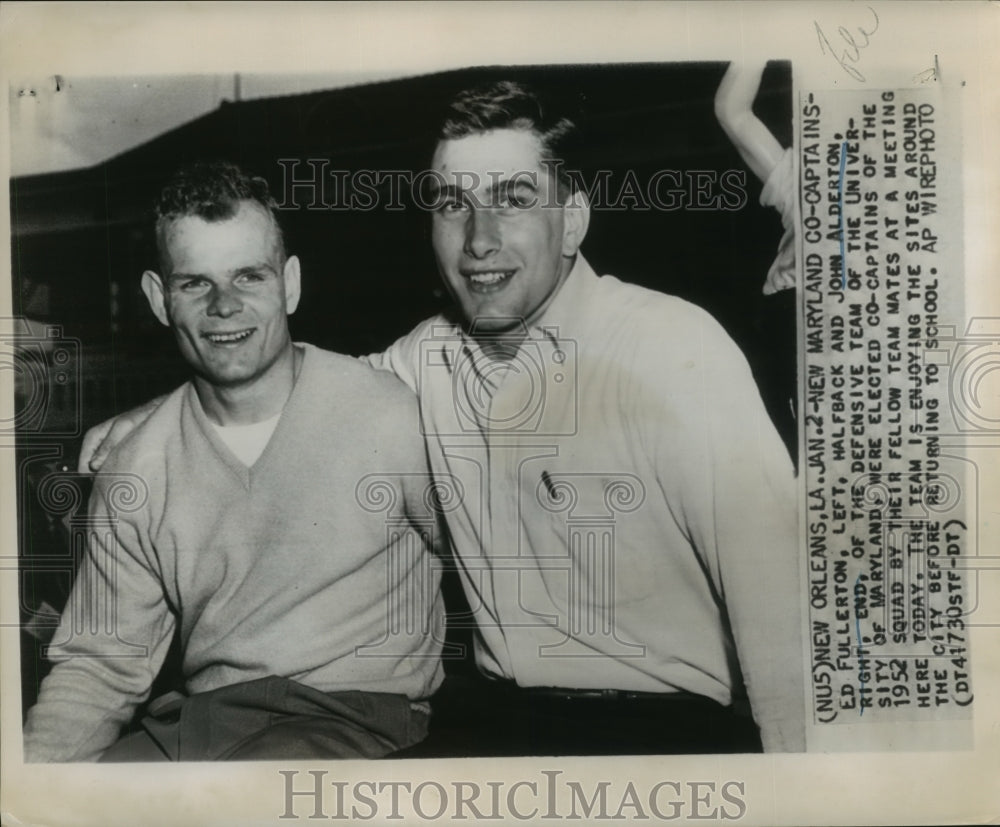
416, 38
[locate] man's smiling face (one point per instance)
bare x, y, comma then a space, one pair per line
226, 290
503, 239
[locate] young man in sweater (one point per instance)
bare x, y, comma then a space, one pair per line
271, 511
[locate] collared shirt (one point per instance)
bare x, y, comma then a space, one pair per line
621, 507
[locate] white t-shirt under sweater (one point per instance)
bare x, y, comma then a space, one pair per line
247, 442
304, 565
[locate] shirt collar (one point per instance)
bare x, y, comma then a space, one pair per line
564, 313
569, 305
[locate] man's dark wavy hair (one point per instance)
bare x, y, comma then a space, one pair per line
212, 190
508, 104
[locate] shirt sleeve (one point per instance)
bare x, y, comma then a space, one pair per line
723, 464
110, 643
402, 357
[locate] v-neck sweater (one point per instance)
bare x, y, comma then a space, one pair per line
307, 565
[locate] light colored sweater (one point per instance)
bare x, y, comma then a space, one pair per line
305, 566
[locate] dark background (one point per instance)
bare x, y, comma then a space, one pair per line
81, 240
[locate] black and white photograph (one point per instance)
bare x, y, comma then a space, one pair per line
436, 412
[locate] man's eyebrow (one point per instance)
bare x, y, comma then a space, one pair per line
239, 271
254, 268
515, 182
438, 190
182, 276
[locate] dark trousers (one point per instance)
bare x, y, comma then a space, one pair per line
272, 719
476, 717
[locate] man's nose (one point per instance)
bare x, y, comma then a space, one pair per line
224, 302
482, 233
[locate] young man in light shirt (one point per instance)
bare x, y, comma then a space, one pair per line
627, 537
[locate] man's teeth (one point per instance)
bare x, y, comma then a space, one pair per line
489, 278
221, 338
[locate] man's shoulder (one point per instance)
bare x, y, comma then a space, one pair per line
139, 460
650, 315
664, 338
435, 326
433, 329
149, 441
374, 406
406, 356
340, 374
347, 392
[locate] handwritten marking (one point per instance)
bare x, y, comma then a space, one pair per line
851, 49
932, 74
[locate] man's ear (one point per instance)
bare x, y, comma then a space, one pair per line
293, 284
152, 286
576, 220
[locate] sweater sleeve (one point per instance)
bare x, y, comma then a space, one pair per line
111, 641
403, 449
726, 467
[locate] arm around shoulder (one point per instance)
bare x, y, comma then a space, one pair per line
405, 356
100, 440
